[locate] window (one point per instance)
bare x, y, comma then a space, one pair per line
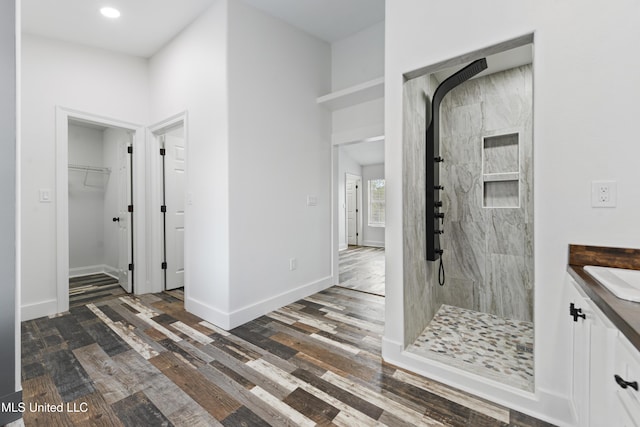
376, 203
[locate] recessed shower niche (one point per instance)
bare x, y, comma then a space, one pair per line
480, 320
501, 171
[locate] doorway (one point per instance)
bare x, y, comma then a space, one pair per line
100, 220
353, 209
168, 151
99, 198
360, 201
172, 151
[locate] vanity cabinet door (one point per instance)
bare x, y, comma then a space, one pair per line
594, 338
603, 337
581, 354
625, 381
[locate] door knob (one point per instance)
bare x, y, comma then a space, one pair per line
116, 219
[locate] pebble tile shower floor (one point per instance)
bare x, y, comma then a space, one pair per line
485, 344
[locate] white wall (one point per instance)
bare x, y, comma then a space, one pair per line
86, 202
354, 60
584, 100
346, 165
372, 236
358, 58
190, 74
279, 153
91, 80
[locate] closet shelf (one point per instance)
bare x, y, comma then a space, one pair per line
84, 168
353, 95
99, 181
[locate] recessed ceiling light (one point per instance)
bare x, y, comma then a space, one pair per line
110, 12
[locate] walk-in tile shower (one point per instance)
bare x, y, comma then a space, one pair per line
480, 320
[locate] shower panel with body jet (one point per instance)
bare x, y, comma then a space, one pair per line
433, 160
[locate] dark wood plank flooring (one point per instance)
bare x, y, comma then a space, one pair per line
92, 288
362, 268
145, 361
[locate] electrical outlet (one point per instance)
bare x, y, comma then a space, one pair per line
604, 194
293, 264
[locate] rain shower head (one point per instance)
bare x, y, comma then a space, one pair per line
456, 79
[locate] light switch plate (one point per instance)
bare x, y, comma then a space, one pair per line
45, 195
312, 200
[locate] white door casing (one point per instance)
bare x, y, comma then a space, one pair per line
62, 203
175, 206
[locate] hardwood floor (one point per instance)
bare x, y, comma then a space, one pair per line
145, 361
362, 268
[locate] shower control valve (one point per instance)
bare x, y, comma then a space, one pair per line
438, 204
438, 159
439, 232
438, 187
439, 215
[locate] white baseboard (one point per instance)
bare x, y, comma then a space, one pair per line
253, 311
208, 313
343, 247
38, 309
93, 269
239, 317
373, 244
543, 404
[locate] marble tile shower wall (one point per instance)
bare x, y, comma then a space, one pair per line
420, 304
488, 251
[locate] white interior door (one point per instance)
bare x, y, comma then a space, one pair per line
352, 184
175, 201
124, 217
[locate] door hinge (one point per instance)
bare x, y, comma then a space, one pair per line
130, 149
163, 151
164, 265
130, 267
163, 208
130, 208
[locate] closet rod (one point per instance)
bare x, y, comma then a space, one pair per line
83, 168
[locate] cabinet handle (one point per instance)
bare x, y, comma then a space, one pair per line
576, 312
624, 384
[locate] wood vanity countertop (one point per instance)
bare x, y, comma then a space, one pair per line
625, 315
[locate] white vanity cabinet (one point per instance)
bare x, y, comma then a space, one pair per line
600, 353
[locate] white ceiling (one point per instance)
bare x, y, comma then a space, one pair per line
329, 20
147, 25
142, 29
365, 153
